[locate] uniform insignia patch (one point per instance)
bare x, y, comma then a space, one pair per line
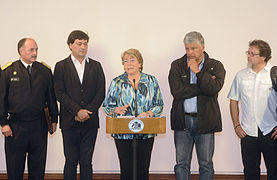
6, 65
46, 65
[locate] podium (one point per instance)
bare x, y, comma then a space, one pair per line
135, 125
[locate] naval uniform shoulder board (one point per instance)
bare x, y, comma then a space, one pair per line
46, 65
6, 66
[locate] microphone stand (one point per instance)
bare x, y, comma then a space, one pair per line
134, 142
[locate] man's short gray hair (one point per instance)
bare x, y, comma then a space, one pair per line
194, 37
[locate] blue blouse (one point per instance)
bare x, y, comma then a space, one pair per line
121, 93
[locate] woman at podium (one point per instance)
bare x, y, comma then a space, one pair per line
134, 93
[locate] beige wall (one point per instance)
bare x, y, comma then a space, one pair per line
156, 28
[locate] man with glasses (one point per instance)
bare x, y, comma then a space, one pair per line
252, 87
195, 81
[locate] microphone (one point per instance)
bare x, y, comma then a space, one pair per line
136, 101
134, 81
134, 143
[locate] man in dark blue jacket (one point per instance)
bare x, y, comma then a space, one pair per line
195, 80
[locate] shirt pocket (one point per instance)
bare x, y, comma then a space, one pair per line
247, 85
266, 84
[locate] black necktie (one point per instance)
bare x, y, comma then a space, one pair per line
29, 69
29, 72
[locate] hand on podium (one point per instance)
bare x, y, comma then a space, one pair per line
146, 114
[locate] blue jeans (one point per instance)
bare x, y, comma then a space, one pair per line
204, 144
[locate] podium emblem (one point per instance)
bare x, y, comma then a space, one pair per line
136, 125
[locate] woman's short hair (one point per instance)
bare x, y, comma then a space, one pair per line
135, 53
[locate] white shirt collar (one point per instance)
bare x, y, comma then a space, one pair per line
75, 60
25, 64
267, 67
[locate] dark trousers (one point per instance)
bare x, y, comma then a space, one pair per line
251, 149
78, 148
125, 155
29, 138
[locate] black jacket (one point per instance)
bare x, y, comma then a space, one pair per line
206, 90
74, 96
23, 98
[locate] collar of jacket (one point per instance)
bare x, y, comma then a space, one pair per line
205, 65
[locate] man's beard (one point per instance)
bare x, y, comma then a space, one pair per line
249, 65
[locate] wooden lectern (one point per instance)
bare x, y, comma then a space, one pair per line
120, 125
135, 125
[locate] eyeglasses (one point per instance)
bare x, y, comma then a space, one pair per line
251, 54
129, 60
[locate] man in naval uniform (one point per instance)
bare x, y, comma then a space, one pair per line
26, 88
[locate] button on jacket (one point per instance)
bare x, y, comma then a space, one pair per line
74, 95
